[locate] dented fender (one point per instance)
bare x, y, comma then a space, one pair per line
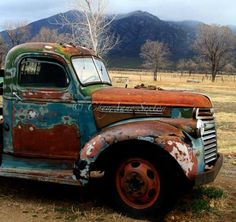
162, 134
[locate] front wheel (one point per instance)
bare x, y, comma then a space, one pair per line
138, 186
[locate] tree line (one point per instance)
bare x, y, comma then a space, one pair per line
215, 45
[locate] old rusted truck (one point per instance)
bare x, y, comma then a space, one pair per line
63, 120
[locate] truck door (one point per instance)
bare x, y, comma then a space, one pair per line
45, 123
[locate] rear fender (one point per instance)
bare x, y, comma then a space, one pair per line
161, 134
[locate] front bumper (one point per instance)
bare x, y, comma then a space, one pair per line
209, 175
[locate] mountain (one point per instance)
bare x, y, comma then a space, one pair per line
134, 29
188, 26
53, 22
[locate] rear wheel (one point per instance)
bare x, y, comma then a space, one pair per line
138, 186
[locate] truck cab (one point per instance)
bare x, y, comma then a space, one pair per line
63, 119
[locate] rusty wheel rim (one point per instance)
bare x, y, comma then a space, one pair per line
138, 183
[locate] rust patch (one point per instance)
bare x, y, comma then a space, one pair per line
188, 125
61, 141
62, 177
44, 94
70, 49
106, 114
54, 47
122, 96
152, 131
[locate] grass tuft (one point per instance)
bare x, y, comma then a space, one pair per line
212, 192
199, 206
202, 197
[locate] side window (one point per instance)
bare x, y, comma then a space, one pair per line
41, 73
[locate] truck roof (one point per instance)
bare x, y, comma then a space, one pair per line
64, 50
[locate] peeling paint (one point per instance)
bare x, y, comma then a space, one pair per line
32, 114
152, 131
184, 156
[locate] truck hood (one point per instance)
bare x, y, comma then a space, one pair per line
123, 96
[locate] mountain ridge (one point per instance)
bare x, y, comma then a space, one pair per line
134, 29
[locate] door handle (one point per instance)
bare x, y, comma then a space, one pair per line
17, 96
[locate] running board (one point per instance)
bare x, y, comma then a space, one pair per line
48, 170
62, 176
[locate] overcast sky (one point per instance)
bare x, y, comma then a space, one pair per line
209, 11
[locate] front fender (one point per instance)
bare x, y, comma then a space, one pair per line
162, 134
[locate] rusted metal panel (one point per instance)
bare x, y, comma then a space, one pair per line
62, 176
45, 129
46, 94
188, 125
164, 135
44, 169
108, 114
152, 131
60, 141
123, 96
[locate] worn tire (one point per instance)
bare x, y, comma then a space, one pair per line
139, 187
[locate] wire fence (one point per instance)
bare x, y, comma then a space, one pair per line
145, 75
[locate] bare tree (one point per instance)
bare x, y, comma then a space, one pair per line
49, 35
155, 55
17, 32
229, 68
215, 44
187, 65
89, 25
3, 51
181, 65
202, 65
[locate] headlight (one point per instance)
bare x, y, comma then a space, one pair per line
200, 128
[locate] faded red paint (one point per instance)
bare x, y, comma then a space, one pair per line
160, 132
188, 125
123, 96
44, 94
61, 141
168, 137
75, 51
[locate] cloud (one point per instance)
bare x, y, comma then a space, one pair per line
26, 10
209, 11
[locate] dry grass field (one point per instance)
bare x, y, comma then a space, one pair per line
23, 201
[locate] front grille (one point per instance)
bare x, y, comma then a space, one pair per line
209, 137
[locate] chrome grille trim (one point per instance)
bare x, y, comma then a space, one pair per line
209, 137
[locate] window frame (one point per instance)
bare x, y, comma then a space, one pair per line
91, 83
44, 59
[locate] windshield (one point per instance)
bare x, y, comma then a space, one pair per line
90, 70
